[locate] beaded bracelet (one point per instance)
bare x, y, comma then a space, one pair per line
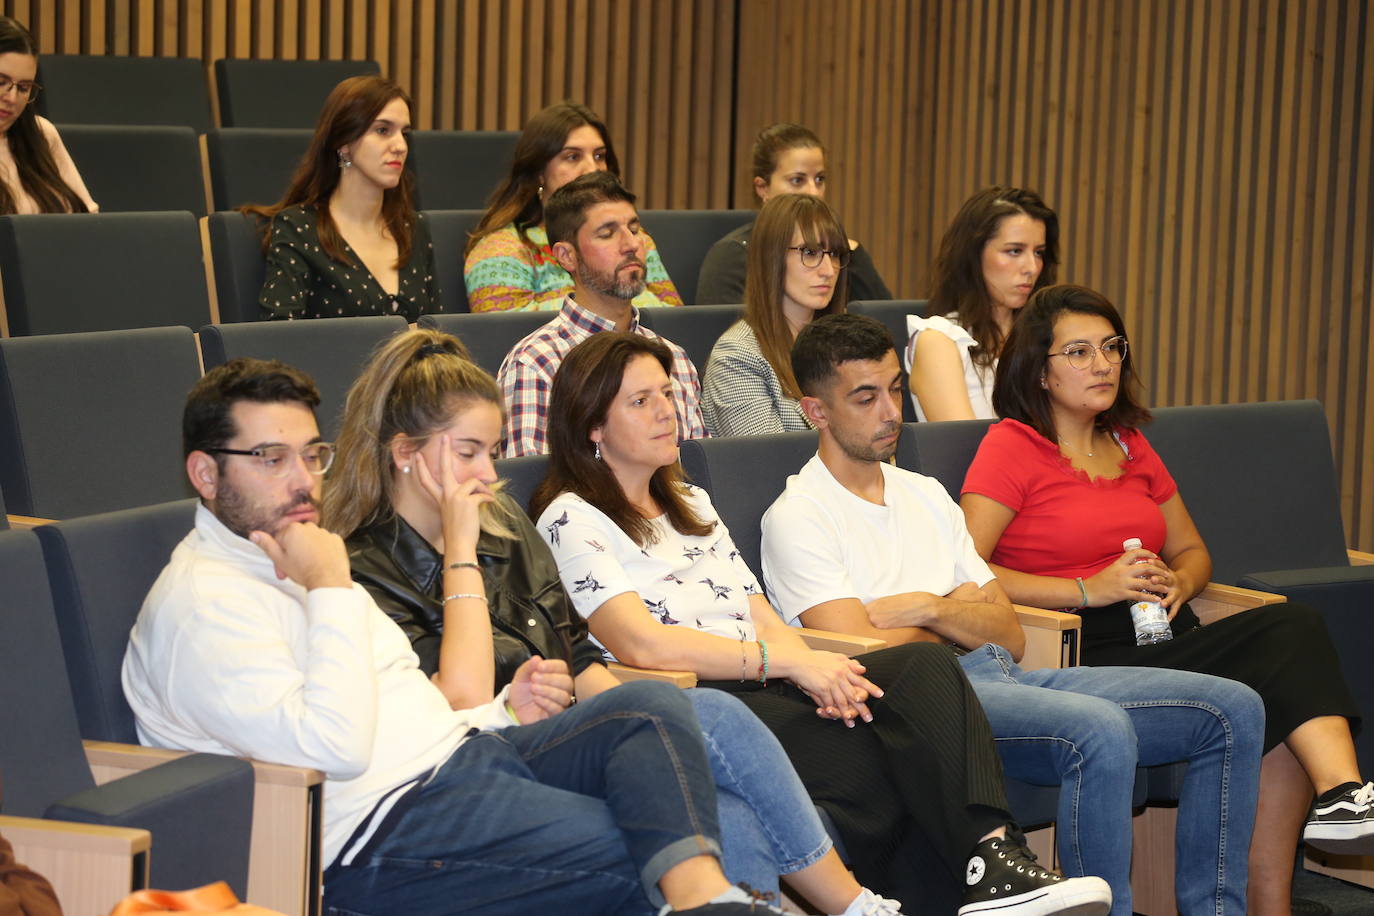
1083, 592
455, 597
763, 663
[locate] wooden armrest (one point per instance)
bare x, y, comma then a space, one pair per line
630, 673
24, 522
91, 867
1042, 619
1360, 558
118, 759
1216, 601
844, 643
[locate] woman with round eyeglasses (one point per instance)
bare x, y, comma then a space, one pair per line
1056, 488
798, 259
1002, 246
37, 174
508, 264
787, 159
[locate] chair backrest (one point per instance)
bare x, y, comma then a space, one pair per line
41, 756
744, 475
941, 450
892, 313
1277, 505
458, 169
239, 264
331, 350
100, 568
104, 89
280, 93
251, 165
684, 236
489, 336
4, 519
105, 271
92, 422
448, 230
522, 475
695, 330
138, 168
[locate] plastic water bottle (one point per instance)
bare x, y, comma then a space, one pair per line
1150, 619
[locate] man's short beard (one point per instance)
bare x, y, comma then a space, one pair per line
607, 285
864, 451
241, 516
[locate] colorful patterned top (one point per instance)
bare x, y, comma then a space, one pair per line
503, 273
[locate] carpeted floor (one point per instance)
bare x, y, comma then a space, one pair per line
1344, 899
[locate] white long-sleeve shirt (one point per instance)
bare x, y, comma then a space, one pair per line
227, 658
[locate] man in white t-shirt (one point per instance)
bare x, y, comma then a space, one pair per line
858, 545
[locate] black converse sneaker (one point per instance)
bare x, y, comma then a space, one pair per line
1003, 879
1342, 820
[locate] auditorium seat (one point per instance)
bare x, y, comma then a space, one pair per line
459, 169
489, 336
250, 165
108, 89
695, 330
100, 568
47, 774
522, 475
332, 350
280, 93
239, 265
92, 422
684, 236
449, 229
138, 168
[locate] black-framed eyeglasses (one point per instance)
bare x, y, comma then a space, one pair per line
811, 257
24, 89
1081, 355
275, 460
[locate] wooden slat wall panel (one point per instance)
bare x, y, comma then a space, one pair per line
1211, 161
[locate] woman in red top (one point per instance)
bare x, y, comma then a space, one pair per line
1055, 489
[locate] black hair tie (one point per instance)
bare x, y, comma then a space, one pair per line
432, 350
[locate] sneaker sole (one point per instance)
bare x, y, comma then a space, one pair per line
1344, 839
1077, 897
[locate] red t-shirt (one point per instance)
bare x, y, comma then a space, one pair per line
1065, 524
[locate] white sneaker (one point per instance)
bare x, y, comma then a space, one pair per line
870, 904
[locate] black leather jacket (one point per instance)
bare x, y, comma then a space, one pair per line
530, 612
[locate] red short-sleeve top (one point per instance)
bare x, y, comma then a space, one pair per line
1066, 524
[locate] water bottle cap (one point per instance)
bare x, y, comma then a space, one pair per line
1130, 544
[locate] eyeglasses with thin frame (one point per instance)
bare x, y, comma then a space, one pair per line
1081, 355
811, 257
276, 460
24, 89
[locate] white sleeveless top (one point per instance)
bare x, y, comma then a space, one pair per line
979, 381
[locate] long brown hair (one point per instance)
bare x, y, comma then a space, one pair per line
348, 112
959, 285
781, 216
516, 199
587, 382
771, 143
34, 165
1018, 394
414, 384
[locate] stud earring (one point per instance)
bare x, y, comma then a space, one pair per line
597, 455
405, 469
344, 161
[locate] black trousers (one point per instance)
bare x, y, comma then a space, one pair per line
910, 793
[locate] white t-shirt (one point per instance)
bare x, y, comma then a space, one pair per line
684, 580
978, 381
823, 543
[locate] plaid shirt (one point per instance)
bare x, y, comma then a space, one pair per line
526, 378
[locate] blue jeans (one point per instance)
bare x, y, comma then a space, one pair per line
583, 812
1086, 729
768, 824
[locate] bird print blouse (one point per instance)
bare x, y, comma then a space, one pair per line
684, 581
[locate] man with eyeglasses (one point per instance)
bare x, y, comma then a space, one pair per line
857, 545
255, 641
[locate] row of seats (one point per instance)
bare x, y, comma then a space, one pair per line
80, 411
105, 89
111, 271
139, 168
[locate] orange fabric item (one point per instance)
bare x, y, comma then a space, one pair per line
212, 898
